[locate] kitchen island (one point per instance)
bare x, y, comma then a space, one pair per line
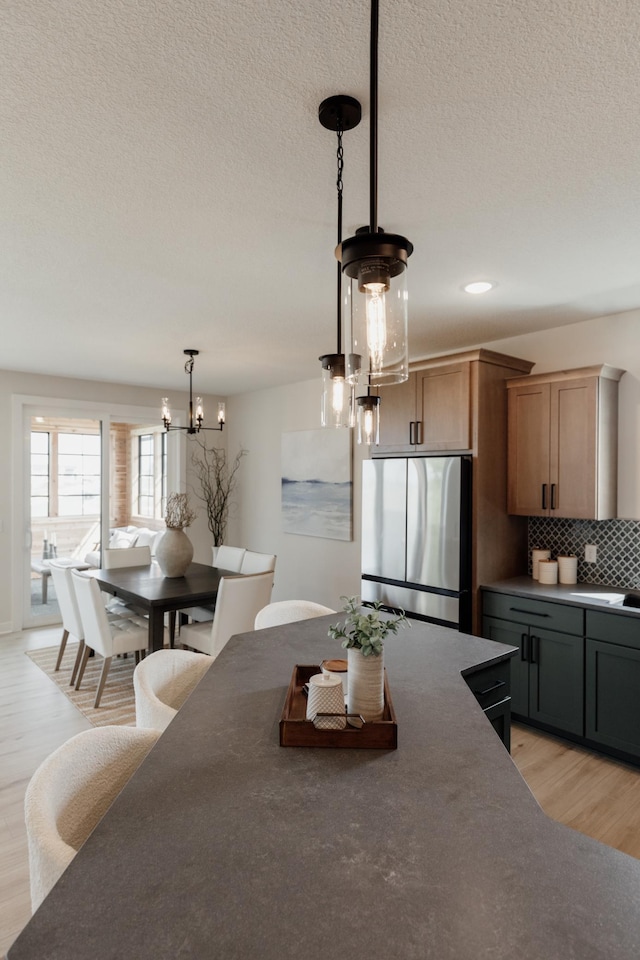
226, 845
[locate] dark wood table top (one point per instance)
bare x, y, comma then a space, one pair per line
148, 585
225, 845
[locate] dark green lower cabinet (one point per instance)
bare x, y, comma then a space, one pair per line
547, 677
613, 695
490, 686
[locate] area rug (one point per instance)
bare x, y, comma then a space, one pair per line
117, 704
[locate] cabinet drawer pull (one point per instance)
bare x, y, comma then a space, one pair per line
524, 648
544, 496
531, 613
494, 686
553, 496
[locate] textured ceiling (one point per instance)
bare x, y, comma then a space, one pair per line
165, 182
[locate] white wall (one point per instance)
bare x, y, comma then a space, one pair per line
11, 525
307, 568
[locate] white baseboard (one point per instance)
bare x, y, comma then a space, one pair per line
6, 627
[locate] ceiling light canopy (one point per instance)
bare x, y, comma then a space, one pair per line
376, 300
196, 419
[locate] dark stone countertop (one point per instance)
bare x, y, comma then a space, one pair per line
226, 845
587, 595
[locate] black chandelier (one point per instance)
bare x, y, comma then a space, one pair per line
196, 419
376, 301
338, 113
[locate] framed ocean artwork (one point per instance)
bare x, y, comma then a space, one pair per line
317, 485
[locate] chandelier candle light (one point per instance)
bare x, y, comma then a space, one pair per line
376, 300
196, 419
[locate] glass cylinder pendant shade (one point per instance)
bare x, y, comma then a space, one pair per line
376, 308
337, 394
368, 419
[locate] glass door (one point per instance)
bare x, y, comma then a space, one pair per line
65, 464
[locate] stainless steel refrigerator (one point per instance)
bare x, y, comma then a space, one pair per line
416, 537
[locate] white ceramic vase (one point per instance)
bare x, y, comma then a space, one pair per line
365, 684
174, 552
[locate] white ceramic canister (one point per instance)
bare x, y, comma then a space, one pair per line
548, 571
326, 696
536, 556
567, 569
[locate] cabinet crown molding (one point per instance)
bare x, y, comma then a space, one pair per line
602, 370
486, 356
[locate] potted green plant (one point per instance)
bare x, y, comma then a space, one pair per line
174, 551
363, 633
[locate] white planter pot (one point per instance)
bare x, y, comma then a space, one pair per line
365, 683
174, 553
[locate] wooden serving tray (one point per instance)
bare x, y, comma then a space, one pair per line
297, 731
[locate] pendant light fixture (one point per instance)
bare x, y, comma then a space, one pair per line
376, 300
196, 419
368, 418
338, 113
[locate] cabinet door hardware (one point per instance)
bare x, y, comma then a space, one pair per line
553, 496
524, 647
418, 432
494, 686
412, 424
535, 650
529, 613
544, 496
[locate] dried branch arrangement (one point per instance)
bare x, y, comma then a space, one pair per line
218, 479
178, 514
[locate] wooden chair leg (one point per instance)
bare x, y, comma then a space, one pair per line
76, 666
103, 679
63, 643
83, 664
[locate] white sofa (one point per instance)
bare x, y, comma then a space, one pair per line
123, 537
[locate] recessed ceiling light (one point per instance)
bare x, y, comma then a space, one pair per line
479, 286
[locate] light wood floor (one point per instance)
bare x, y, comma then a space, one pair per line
598, 796
585, 791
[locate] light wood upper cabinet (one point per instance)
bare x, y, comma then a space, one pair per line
562, 437
444, 408
435, 409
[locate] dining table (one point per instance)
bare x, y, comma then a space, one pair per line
147, 589
225, 844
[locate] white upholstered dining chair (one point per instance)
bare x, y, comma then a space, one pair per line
107, 637
67, 603
70, 792
163, 681
288, 611
239, 600
253, 562
228, 558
